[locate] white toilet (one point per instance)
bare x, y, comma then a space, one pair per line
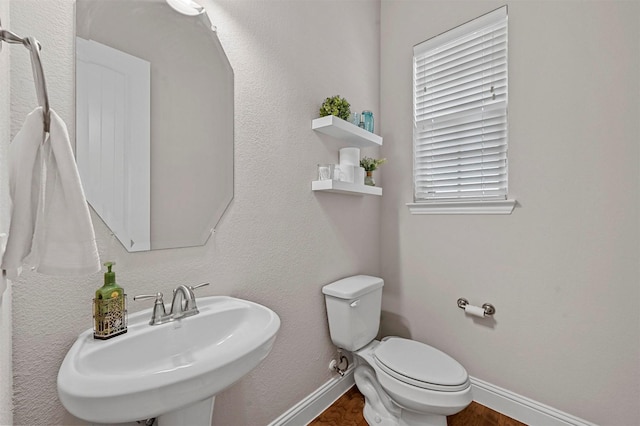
405, 383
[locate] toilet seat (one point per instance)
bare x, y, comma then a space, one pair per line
420, 365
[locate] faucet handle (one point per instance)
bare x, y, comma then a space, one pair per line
159, 314
193, 287
158, 297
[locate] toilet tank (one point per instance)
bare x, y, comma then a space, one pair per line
353, 308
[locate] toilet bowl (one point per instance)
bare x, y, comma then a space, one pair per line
404, 382
437, 385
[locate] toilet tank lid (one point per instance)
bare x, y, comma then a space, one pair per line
352, 287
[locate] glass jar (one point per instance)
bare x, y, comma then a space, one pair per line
368, 121
368, 180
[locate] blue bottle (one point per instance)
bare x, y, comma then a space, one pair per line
368, 121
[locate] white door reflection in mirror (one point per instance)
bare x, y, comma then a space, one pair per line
113, 110
191, 118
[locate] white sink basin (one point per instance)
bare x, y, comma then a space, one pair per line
154, 370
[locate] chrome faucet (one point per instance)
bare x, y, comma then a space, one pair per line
183, 304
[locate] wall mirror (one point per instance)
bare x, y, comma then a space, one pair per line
154, 120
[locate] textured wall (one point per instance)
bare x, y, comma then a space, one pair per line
278, 243
562, 270
6, 382
5, 302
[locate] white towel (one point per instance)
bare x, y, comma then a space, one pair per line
50, 226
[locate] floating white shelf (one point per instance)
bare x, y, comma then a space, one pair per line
345, 187
350, 133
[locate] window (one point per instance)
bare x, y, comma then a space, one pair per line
460, 114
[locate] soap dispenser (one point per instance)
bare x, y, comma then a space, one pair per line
109, 307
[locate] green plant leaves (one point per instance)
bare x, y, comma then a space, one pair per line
336, 106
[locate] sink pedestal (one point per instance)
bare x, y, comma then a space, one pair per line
198, 414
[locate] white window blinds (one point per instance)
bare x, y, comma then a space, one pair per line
460, 112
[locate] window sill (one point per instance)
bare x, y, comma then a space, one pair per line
463, 207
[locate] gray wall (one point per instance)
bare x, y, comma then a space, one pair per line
5, 302
563, 269
278, 243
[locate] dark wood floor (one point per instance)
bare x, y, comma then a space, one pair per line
347, 411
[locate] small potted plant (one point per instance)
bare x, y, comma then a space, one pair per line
336, 106
369, 165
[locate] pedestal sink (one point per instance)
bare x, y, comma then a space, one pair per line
170, 371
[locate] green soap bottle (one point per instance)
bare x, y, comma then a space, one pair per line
110, 289
109, 312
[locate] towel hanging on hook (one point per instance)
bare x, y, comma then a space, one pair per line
36, 66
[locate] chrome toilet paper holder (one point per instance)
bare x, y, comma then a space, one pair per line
489, 309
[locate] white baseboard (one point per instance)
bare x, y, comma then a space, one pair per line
501, 400
521, 408
310, 407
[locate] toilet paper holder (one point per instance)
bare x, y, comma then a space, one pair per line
489, 309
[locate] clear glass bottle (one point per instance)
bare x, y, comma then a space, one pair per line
355, 118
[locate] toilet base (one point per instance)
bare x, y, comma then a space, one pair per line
389, 402
379, 410
409, 418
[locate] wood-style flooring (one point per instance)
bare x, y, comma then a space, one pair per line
347, 411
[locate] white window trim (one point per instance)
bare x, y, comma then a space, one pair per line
461, 206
